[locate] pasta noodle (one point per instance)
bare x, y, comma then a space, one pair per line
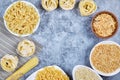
9, 63
51, 73
67, 4
106, 57
49, 5
87, 7
21, 18
26, 48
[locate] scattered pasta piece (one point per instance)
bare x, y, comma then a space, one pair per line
26, 48
67, 4
51, 73
87, 7
21, 18
106, 57
49, 5
9, 63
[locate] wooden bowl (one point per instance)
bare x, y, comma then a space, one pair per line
114, 17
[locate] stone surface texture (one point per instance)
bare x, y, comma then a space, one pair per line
66, 36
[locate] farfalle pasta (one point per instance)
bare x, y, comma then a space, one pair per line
87, 7
67, 4
49, 5
21, 18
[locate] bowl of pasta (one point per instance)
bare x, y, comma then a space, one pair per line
105, 58
53, 72
81, 72
21, 18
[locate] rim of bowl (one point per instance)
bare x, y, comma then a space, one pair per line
100, 72
114, 17
82, 66
28, 3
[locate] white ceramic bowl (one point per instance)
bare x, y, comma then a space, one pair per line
32, 76
81, 66
102, 73
28, 3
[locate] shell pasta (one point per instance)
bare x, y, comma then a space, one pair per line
21, 18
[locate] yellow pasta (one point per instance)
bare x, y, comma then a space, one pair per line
51, 73
21, 18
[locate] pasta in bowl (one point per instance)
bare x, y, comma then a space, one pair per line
21, 18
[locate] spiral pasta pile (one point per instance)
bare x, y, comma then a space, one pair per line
21, 18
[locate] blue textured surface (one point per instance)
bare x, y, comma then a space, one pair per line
66, 37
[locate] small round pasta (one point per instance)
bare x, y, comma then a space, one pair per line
87, 7
49, 5
67, 4
9, 62
26, 48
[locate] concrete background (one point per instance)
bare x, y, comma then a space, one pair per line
66, 36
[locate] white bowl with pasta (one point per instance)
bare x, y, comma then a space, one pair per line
78, 67
37, 22
98, 71
33, 75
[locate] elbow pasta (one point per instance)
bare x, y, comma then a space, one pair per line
51, 73
67, 4
21, 18
49, 5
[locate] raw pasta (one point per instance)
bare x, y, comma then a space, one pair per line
106, 57
9, 62
87, 7
49, 5
85, 74
26, 48
51, 73
21, 18
67, 4
104, 25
